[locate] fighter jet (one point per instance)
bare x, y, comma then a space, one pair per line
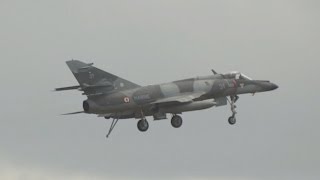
115, 98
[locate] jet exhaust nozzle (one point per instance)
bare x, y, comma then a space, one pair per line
86, 106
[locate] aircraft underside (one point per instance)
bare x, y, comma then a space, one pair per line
176, 119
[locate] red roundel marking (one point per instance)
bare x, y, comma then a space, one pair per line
126, 99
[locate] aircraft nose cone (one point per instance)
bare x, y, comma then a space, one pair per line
273, 86
267, 86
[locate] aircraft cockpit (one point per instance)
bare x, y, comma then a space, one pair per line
236, 75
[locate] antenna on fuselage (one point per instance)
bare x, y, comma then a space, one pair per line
214, 72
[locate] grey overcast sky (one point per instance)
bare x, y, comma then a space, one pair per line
149, 42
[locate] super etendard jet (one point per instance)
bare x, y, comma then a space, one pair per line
110, 96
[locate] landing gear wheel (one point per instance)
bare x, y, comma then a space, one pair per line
176, 121
143, 125
232, 120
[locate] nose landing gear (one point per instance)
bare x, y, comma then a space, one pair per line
232, 119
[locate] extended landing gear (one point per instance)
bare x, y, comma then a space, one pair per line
176, 121
143, 125
232, 119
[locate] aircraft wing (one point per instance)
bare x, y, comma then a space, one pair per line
183, 98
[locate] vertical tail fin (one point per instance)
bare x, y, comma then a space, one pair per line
91, 78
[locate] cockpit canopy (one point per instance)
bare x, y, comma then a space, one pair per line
236, 75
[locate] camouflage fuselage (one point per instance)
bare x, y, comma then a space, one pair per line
135, 103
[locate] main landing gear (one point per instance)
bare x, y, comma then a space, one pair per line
176, 121
232, 119
143, 125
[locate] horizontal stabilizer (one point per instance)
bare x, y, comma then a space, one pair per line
67, 88
79, 112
